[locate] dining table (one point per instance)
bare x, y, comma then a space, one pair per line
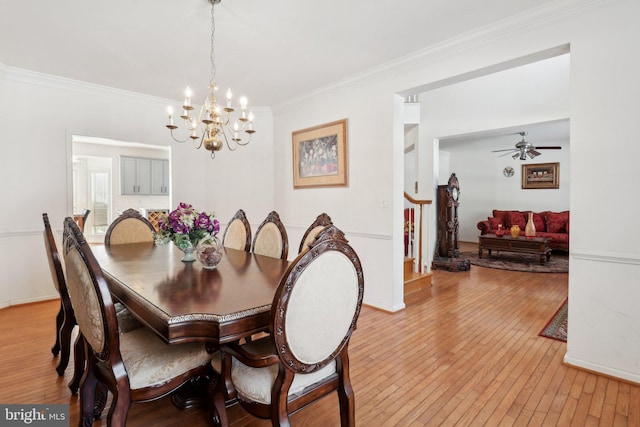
184, 302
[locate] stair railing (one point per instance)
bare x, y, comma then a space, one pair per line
419, 203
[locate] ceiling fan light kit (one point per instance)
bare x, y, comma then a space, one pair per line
524, 148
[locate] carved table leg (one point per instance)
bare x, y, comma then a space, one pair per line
192, 394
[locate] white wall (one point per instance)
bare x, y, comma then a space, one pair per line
603, 93
38, 116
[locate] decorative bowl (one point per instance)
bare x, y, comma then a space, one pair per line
499, 233
209, 252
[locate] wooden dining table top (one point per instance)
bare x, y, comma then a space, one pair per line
182, 301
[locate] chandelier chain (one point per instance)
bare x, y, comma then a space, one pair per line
212, 78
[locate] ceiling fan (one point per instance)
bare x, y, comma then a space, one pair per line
524, 148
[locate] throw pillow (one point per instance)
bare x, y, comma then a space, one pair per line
501, 215
493, 223
557, 222
516, 218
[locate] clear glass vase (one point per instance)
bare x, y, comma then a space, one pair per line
209, 252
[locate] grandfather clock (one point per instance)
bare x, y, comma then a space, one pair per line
447, 255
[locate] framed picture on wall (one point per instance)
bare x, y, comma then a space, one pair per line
541, 175
320, 155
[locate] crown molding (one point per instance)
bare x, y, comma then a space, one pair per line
20, 75
526, 21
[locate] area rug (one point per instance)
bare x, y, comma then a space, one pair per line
519, 262
557, 327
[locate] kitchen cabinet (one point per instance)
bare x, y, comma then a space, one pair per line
160, 177
135, 176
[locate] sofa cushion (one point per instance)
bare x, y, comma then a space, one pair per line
494, 222
557, 222
501, 215
538, 222
557, 239
516, 218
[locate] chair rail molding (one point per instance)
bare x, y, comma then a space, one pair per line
606, 256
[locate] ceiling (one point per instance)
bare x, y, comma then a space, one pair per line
270, 51
554, 132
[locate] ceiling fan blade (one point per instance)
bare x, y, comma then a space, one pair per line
534, 152
509, 149
549, 148
507, 154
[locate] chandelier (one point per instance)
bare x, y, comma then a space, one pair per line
213, 125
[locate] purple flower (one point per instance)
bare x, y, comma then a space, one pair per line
203, 222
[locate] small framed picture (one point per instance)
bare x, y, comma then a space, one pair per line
320, 156
541, 175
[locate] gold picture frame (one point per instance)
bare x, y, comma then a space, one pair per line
320, 156
541, 175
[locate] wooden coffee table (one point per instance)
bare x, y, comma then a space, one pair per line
528, 245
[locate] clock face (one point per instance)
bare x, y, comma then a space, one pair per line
454, 193
508, 171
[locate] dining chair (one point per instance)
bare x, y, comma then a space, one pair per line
321, 222
238, 233
133, 366
129, 227
305, 357
271, 238
65, 320
85, 215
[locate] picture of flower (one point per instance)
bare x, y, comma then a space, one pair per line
185, 226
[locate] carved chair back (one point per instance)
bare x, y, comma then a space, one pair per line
271, 238
238, 233
321, 222
129, 227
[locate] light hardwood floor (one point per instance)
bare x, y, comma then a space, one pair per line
464, 352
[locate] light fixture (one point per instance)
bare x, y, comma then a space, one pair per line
214, 122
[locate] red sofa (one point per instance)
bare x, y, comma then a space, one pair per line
552, 225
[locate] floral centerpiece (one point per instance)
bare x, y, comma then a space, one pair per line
186, 227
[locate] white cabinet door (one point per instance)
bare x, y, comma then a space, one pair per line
144, 176
135, 176
129, 180
160, 177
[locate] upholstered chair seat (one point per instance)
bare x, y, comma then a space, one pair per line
255, 384
150, 362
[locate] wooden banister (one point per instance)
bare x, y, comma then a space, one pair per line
420, 203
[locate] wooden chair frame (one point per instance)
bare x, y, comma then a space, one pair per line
129, 213
274, 218
65, 320
242, 217
282, 405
